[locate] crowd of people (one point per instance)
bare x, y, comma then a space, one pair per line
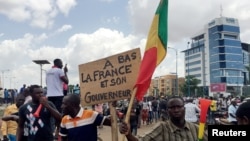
7, 96
39, 115
48, 115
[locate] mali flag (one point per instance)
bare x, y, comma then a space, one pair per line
204, 105
156, 49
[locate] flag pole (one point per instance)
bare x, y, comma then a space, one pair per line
155, 52
114, 130
131, 102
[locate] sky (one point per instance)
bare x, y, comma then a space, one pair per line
82, 31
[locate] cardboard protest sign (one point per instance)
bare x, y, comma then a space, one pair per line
109, 79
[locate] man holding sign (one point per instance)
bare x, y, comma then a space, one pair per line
109, 79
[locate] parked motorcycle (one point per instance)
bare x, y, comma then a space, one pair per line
222, 121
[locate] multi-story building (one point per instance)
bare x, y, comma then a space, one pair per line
165, 85
218, 58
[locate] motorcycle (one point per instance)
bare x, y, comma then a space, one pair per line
222, 121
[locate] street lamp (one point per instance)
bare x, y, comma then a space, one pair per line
188, 69
176, 69
41, 63
3, 76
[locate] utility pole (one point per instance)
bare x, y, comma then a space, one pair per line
3, 71
188, 69
176, 84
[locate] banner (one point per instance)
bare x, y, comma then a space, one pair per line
109, 79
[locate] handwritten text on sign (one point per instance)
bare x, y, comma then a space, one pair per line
109, 79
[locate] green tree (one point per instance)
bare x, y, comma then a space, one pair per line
70, 88
192, 82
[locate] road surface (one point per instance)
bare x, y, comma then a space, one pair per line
106, 134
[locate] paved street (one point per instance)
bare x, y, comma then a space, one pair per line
106, 135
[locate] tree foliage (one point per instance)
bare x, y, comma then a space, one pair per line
191, 83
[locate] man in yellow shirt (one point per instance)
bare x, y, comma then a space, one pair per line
213, 109
9, 127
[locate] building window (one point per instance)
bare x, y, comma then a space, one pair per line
222, 57
234, 65
221, 49
235, 43
222, 64
232, 72
223, 79
193, 56
234, 50
230, 20
228, 36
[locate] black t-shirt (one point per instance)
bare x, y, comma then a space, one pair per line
135, 111
154, 105
163, 104
38, 129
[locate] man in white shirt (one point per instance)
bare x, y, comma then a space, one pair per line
55, 77
191, 111
232, 111
54, 80
224, 104
145, 111
150, 112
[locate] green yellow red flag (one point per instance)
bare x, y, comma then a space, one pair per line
156, 49
204, 105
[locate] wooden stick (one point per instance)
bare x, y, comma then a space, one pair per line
114, 129
131, 102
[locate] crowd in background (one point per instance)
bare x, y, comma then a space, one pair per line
153, 109
7, 96
150, 110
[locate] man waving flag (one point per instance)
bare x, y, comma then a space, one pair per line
156, 49
155, 52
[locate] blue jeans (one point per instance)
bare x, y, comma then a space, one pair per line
211, 117
150, 116
134, 130
12, 137
155, 115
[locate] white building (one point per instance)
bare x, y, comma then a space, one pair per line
218, 58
